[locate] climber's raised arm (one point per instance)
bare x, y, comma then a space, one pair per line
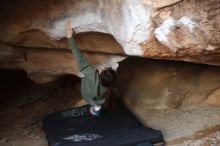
82, 62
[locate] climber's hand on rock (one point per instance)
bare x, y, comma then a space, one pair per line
69, 29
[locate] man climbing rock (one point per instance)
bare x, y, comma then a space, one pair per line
95, 86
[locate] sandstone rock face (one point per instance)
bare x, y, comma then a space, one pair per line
33, 38
178, 98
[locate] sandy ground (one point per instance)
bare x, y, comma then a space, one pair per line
23, 127
21, 117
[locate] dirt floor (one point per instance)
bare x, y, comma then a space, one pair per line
23, 106
23, 126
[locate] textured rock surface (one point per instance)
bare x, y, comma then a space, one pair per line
169, 85
44, 64
32, 32
175, 97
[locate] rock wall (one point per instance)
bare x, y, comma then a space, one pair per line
45, 64
168, 85
177, 98
186, 30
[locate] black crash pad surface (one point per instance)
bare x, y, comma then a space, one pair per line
76, 127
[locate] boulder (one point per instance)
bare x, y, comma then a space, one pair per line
180, 99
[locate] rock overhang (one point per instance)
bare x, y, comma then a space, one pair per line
173, 30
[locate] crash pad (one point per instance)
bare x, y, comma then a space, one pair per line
76, 127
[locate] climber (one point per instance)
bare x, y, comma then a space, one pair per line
95, 86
